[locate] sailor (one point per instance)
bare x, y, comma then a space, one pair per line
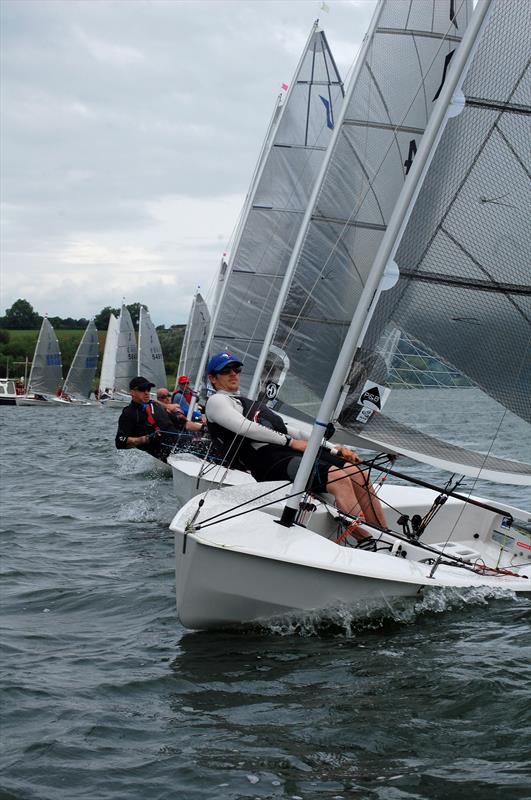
182, 397
175, 412
146, 425
254, 438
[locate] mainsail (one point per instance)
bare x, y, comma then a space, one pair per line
46, 374
150, 357
391, 96
126, 352
78, 382
108, 366
289, 166
465, 291
195, 337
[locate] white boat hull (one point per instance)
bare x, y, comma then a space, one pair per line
193, 475
250, 568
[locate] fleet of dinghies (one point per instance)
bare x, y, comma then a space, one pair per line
416, 219
123, 358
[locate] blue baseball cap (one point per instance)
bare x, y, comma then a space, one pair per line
220, 361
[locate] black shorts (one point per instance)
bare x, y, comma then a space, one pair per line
279, 463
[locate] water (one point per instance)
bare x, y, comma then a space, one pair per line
105, 695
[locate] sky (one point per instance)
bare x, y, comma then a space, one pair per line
129, 134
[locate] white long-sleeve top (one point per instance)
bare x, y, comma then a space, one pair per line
226, 410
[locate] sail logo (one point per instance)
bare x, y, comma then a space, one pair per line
373, 396
53, 360
271, 390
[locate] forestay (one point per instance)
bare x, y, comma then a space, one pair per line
46, 374
285, 178
150, 357
388, 104
464, 292
78, 382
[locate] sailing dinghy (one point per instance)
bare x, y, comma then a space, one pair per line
46, 374
249, 281
120, 361
251, 554
150, 357
78, 384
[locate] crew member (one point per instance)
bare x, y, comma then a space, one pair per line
146, 425
257, 439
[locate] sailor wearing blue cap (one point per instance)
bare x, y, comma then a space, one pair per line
256, 439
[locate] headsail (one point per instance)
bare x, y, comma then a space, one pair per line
150, 357
388, 104
288, 170
195, 337
126, 353
78, 382
465, 291
46, 374
108, 366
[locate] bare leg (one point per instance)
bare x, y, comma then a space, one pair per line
366, 497
342, 488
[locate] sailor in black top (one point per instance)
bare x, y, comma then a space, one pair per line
146, 425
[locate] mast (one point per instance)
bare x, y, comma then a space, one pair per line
272, 129
387, 249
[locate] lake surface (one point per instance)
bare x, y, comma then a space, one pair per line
105, 695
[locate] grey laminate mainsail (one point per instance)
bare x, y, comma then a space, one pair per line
388, 104
78, 383
290, 163
465, 288
195, 338
46, 375
108, 365
150, 357
126, 352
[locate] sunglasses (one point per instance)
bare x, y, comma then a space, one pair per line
165, 396
231, 368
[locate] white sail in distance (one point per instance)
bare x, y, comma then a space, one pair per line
286, 176
389, 101
150, 357
126, 352
46, 375
108, 366
78, 382
195, 338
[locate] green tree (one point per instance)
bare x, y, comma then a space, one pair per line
21, 316
134, 310
101, 320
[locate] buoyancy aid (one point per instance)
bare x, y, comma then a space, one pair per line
238, 451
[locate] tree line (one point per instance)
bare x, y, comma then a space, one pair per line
16, 345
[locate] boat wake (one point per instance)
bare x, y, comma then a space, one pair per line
348, 621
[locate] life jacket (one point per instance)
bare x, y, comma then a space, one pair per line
237, 451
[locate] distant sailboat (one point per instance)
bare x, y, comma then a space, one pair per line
78, 384
108, 366
150, 356
120, 361
46, 375
195, 338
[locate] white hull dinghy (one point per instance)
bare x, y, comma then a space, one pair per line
242, 556
250, 568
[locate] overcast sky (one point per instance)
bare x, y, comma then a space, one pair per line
130, 132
